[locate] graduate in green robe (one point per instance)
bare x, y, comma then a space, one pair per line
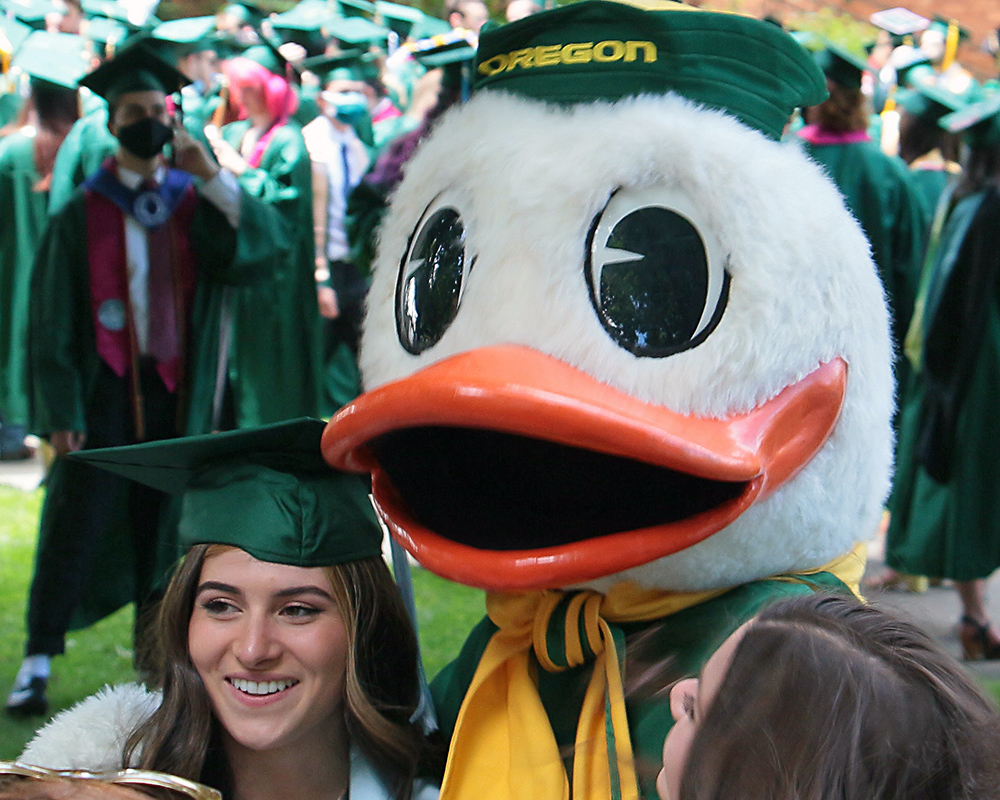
945, 508
931, 152
189, 44
274, 366
125, 313
26, 159
876, 187
83, 150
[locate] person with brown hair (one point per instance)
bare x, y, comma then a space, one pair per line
288, 665
821, 696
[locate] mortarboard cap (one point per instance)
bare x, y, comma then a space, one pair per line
978, 122
807, 39
453, 47
942, 25
912, 67
265, 490
12, 33
306, 15
452, 52
841, 66
134, 15
353, 65
268, 57
357, 8
57, 58
398, 17
899, 21
134, 69
609, 50
30, 12
246, 12
429, 26
928, 102
107, 33
355, 31
188, 35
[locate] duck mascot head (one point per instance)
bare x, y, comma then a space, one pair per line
627, 368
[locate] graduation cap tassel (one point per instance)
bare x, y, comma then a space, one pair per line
6, 53
951, 45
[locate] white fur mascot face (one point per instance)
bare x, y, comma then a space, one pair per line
632, 340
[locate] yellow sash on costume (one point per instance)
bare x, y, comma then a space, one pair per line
503, 746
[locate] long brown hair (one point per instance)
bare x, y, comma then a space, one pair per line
828, 698
844, 111
381, 689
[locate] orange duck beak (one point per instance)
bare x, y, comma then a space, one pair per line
506, 469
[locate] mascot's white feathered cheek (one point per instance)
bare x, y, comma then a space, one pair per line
601, 338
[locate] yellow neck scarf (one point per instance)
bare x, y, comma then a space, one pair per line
503, 746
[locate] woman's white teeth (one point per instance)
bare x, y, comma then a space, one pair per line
264, 687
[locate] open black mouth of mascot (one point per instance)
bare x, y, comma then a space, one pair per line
499, 491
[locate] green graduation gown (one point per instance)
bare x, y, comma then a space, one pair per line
929, 175
688, 638
951, 528
64, 363
878, 191
21, 225
274, 368
82, 152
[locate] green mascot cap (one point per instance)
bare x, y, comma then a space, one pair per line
602, 50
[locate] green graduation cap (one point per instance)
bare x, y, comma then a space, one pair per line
355, 31
429, 26
604, 50
928, 102
56, 58
979, 122
357, 8
841, 66
398, 17
12, 33
30, 12
245, 13
265, 490
269, 57
107, 33
352, 65
135, 68
306, 15
133, 16
453, 47
187, 35
452, 52
943, 25
808, 39
913, 67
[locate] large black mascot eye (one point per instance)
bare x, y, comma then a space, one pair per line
657, 284
431, 278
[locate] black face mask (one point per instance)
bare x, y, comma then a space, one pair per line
145, 138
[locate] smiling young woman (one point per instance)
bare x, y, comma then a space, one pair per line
288, 663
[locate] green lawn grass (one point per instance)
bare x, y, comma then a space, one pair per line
101, 654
